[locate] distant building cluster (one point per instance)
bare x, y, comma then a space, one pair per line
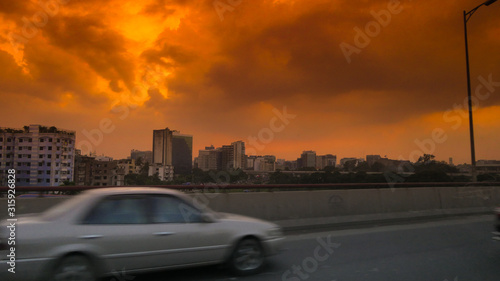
227, 157
46, 156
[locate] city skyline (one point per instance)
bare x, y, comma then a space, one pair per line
385, 77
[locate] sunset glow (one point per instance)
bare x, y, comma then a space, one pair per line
218, 73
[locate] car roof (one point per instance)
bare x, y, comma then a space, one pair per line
132, 190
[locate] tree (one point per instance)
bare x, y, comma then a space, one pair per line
427, 158
279, 177
144, 169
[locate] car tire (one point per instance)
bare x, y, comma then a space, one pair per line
74, 268
247, 257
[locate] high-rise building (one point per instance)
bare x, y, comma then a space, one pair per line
239, 160
227, 157
323, 161
41, 155
182, 153
308, 159
265, 163
162, 155
162, 146
146, 156
210, 159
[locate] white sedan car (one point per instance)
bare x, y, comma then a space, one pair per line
104, 231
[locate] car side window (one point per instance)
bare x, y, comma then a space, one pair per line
170, 209
119, 210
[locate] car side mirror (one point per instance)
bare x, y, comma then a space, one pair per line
208, 217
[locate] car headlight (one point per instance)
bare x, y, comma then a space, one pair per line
275, 232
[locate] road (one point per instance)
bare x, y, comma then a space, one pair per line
453, 249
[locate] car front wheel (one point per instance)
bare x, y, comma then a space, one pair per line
74, 268
247, 258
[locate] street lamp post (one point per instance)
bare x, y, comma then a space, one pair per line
467, 16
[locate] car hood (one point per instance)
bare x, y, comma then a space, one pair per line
235, 217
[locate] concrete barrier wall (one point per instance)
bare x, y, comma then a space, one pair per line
290, 205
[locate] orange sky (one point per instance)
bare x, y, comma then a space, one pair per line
115, 70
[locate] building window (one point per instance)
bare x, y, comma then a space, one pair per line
30, 140
1, 139
29, 156
9, 139
58, 140
56, 180
19, 156
40, 156
50, 139
28, 164
20, 148
58, 148
57, 156
47, 181
39, 180
50, 147
41, 147
8, 147
39, 172
1, 147
48, 164
42, 140
28, 172
20, 140
19, 164
40, 164
49, 156
47, 172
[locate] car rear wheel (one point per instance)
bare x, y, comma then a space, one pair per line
247, 258
74, 268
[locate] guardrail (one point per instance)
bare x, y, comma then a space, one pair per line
222, 187
315, 201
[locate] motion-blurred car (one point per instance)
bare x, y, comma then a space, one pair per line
104, 231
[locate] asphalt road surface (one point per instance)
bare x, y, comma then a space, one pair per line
452, 250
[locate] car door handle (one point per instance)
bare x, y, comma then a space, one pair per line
95, 236
162, 233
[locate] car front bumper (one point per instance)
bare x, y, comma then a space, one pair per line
273, 246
